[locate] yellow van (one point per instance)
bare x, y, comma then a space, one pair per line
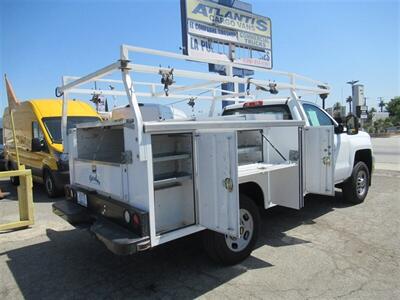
38, 133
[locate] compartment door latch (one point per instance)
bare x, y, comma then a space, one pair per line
126, 157
228, 184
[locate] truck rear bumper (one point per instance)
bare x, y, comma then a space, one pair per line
116, 238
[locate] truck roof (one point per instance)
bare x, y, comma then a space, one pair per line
53, 107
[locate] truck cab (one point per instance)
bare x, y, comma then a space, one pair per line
352, 151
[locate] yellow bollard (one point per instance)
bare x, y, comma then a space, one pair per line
25, 198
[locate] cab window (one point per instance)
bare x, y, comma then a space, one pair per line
36, 131
315, 116
274, 112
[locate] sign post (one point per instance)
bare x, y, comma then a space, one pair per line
227, 31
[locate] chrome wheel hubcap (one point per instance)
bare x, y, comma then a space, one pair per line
361, 185
246, 232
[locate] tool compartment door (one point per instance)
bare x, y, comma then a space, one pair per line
217, 181
318, 160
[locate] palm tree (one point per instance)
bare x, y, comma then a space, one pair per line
337, 106
336, 110
381, 105
349, 100
370, 114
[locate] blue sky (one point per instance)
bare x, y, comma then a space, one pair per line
333, 41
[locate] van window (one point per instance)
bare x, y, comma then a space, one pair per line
276, 112
36, 131
53, 125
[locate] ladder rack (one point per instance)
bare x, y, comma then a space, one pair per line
202, 86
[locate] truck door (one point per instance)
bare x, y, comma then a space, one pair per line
318, 160
216, 180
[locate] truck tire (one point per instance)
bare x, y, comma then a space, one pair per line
50, 185
355, 189
228, 250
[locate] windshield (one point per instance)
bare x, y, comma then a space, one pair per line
53, 125
274, 112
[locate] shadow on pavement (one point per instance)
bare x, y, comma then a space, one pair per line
39, 192
72, 264
278, 220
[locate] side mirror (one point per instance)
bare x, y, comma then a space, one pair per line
37, 145
339, 129
352, 124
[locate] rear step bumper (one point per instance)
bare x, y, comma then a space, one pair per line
116, 238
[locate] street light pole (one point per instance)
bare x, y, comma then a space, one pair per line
350, 99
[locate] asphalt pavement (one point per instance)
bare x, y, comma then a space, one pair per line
387, 152
327, 250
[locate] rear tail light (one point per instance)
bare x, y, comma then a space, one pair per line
254, 103
135, 220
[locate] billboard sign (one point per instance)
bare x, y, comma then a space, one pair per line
204, 48
204, 20
246, 39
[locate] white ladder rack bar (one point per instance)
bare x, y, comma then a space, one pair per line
67, 79
90, 77
163, 96
222, 78
200, 85
128, 48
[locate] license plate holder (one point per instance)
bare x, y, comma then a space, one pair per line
81, 198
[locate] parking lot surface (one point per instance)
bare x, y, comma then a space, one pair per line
329, 249
387, 152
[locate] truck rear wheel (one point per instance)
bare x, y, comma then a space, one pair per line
229, 250
355, 189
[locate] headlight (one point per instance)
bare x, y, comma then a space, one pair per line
64, 157
62, 161
61, 157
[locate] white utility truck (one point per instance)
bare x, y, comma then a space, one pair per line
138, 184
